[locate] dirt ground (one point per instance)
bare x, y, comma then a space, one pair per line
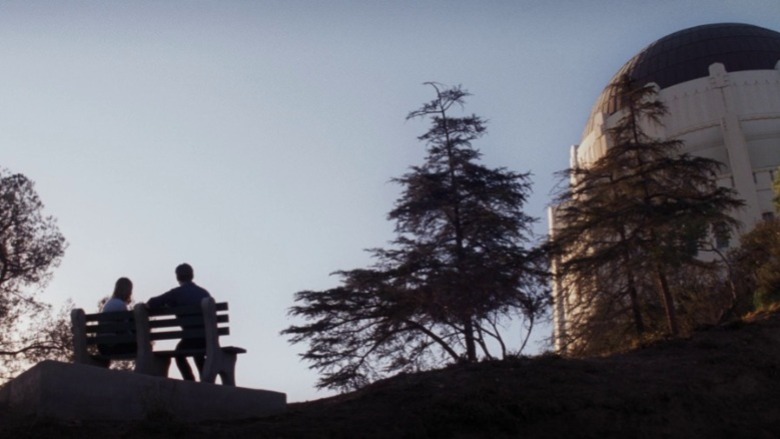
723, 382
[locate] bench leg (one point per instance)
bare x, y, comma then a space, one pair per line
228, 372
210, 370
224, 365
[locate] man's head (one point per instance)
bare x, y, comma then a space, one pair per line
184, 273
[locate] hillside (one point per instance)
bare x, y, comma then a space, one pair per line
722, 382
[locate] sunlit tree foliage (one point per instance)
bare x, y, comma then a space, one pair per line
756, 262
631, 223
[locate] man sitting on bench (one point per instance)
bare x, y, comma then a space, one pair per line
187, 293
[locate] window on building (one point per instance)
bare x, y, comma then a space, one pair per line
721, 237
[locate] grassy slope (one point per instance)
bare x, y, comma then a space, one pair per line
722, 382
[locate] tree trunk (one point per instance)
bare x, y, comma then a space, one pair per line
639, 324
668, 301
471, 346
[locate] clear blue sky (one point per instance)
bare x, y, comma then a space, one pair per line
256, 140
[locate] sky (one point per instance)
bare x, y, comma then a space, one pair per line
256, 140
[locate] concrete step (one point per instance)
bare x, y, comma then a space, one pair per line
77, 392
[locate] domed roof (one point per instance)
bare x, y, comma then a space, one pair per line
687, 55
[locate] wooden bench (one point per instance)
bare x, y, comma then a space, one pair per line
91, 330
207, 321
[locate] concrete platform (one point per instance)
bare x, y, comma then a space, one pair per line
75, 391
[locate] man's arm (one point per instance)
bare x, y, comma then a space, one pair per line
165, 299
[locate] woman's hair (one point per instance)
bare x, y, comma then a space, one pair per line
123, 289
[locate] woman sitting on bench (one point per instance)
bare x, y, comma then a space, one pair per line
123, 290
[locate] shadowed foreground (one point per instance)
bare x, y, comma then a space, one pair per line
722, 383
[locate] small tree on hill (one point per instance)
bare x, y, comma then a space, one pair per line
636, 216
757, 260
458, 270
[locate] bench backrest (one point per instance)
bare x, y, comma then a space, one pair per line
196, 321
206, 320
110, 327
101, 328
185, 322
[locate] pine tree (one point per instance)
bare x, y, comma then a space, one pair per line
637, 215
458, 267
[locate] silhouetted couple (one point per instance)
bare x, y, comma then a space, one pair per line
187, 293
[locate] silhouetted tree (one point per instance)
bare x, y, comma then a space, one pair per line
30, 246
636, 216
757, 264
44, 335
458, 270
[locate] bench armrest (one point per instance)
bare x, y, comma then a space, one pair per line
146, 362
208, 306
78, 325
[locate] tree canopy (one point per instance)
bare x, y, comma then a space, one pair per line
756, 262
31, 245
459, 269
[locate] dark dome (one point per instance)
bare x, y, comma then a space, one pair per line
687, 54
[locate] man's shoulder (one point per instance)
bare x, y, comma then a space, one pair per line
199, 289
185, 294
190, 293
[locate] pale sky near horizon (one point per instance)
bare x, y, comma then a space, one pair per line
256, 140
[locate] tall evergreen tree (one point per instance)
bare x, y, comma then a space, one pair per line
459, 266
637, 215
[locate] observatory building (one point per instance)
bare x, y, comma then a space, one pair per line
721, 84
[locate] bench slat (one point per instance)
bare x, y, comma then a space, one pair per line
128, 356
191, 352
185, 333
111, 339
194, 320
109, 316
183, 310
110, 328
